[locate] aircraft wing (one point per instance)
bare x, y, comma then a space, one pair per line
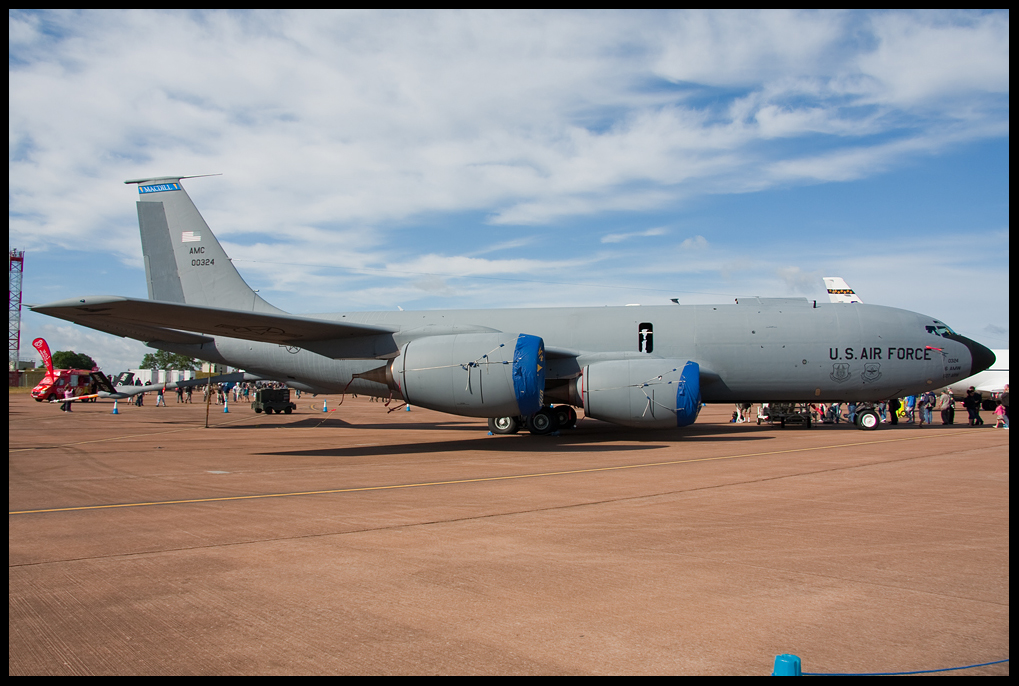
150, 320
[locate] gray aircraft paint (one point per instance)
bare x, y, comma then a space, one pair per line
781, 349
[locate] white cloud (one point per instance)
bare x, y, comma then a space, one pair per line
111, 353
932, 55
336, 131
694, 243
799, 281
745, 47
375, 117
620, 237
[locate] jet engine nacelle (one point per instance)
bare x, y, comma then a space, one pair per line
642, 393
476, 374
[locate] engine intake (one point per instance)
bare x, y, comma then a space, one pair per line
642, 393
475, 375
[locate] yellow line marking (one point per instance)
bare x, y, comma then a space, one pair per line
486, 478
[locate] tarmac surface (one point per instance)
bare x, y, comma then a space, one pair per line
364, 542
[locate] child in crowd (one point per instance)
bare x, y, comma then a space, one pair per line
1000, 418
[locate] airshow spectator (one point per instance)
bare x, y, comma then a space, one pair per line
1000, 418
972, 405
946, 403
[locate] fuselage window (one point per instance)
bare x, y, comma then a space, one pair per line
939, 329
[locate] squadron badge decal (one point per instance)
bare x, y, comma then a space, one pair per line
840, 372
871, 371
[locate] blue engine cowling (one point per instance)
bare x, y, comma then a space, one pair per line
642, 393
475, 374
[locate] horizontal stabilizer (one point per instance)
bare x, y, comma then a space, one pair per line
142, 332
149, 320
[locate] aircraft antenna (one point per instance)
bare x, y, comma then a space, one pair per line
16, 267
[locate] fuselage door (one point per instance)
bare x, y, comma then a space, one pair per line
645, 337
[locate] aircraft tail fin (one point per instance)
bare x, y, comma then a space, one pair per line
184, 263
103, 382
839, 291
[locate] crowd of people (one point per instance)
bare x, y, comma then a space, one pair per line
225, 392
912, 409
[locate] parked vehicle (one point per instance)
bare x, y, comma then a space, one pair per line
271, 400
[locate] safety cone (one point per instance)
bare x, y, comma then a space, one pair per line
325, 404
226, 407
115, 411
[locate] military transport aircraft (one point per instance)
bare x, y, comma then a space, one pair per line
645, 367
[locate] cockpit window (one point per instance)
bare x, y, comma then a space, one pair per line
939, 329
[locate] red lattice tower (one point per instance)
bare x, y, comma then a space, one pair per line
17, 266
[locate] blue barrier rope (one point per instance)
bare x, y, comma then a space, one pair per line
919, 671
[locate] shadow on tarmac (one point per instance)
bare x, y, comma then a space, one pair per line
596, 437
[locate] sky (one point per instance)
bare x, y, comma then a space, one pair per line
372, 160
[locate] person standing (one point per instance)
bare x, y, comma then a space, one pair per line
893, 411
925, 403
947, 406
972, 405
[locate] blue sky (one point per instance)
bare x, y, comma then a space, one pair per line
424, 160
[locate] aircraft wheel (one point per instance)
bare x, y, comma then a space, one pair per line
566, 416
542, 422
868, 421
503, 425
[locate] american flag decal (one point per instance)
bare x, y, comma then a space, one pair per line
190, 236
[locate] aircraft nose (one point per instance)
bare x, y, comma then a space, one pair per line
982, 356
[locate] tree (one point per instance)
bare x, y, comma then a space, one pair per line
164, 360
68, 359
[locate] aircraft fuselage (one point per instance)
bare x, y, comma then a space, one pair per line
758, 349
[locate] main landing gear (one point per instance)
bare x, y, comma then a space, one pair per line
541, 423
